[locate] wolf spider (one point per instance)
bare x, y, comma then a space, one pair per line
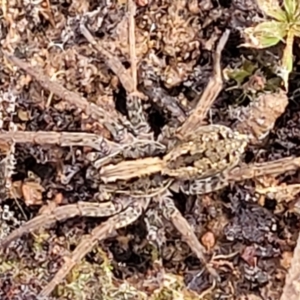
129, 171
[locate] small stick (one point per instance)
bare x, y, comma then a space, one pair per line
210, 93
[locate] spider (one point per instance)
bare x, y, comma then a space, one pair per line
196, 158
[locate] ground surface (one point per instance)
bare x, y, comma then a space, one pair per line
256, 236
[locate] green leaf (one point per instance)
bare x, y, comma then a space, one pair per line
265, 34
272, 9
291, 7
239, 75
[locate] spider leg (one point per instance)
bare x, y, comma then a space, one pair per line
181, 224
239, 173
137, 117
141, 146
133, 102
169, 105
49, 217
113, 121
129, 82
188, 235
209, 95
274, 168
112, 62
64, 139
204, 185
107, 150
125, 218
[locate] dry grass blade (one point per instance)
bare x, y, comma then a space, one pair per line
210, 93
108, 119
123, 219
64, 139
48, 218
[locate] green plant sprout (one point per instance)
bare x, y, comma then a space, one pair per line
284, 27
